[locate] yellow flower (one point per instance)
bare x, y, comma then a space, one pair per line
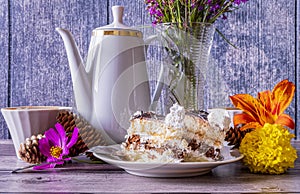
268, 149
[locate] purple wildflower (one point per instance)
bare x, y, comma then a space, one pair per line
215, 8
55, 146
152, 10
224, 17
154, 23
158, 13
155, 11
200, 8
238, 2
190, 10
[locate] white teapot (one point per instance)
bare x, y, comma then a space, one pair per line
113, 83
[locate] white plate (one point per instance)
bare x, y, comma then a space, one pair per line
111, 154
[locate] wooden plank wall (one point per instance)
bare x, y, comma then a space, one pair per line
34, 68
4, 63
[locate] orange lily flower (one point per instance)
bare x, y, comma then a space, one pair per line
268, 107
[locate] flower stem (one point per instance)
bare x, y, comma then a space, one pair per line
53, 162
33, 165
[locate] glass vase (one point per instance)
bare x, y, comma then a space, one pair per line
185, 67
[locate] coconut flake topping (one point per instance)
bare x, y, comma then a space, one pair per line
176, 116
219, 119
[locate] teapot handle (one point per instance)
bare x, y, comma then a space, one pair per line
160, 82
158, 88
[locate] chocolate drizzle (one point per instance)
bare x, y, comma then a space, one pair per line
134, 140
214, 154
200, 113
141, 114
194, 145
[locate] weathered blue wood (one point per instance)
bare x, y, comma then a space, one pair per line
264, 32
39, 66
4, 61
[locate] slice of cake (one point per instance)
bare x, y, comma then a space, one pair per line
179, 137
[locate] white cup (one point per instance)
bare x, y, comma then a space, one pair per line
231, 111
25, 121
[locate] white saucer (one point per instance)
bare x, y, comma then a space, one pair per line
110, 154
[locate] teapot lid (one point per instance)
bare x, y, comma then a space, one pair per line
117, 27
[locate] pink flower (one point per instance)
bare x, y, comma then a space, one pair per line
55, 146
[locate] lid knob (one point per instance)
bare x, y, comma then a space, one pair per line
117, 12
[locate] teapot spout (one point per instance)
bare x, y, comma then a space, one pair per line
80, 79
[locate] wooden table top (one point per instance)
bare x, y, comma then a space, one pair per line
105, 178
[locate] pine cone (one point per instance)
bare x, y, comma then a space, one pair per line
235, 136
88, 136
91, 156
29, 150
